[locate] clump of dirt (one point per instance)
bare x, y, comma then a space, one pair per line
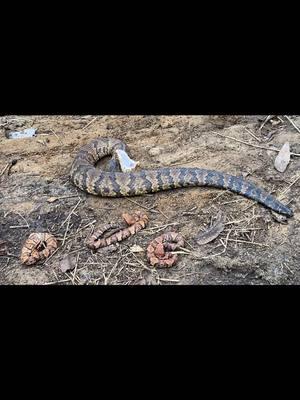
254, 248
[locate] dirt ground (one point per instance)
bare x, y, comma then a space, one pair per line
255, 248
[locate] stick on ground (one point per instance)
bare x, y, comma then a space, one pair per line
255, 145
293, 123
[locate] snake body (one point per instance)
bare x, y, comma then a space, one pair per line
159, 250
87, 177
118, 231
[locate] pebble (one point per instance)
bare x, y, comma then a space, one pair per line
154, 151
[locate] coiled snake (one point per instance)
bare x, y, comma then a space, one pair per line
112, 183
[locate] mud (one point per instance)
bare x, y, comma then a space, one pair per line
255, 248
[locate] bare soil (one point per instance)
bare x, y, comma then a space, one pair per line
255, 248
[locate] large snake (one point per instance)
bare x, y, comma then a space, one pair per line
112, 183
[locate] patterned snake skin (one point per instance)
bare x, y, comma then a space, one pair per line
118, 184
118, 231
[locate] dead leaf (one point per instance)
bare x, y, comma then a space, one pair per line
283, 158
136, 249
213, 232
275, 121
67, 263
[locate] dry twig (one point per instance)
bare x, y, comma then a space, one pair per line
72, 211
252, 134
265, 121
293, 183
254, 145
150, 209
293, 123
93, 120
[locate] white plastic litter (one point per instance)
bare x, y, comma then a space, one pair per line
26, 133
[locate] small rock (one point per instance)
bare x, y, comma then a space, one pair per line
283, 158
275, 121
154, 151
67, 263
